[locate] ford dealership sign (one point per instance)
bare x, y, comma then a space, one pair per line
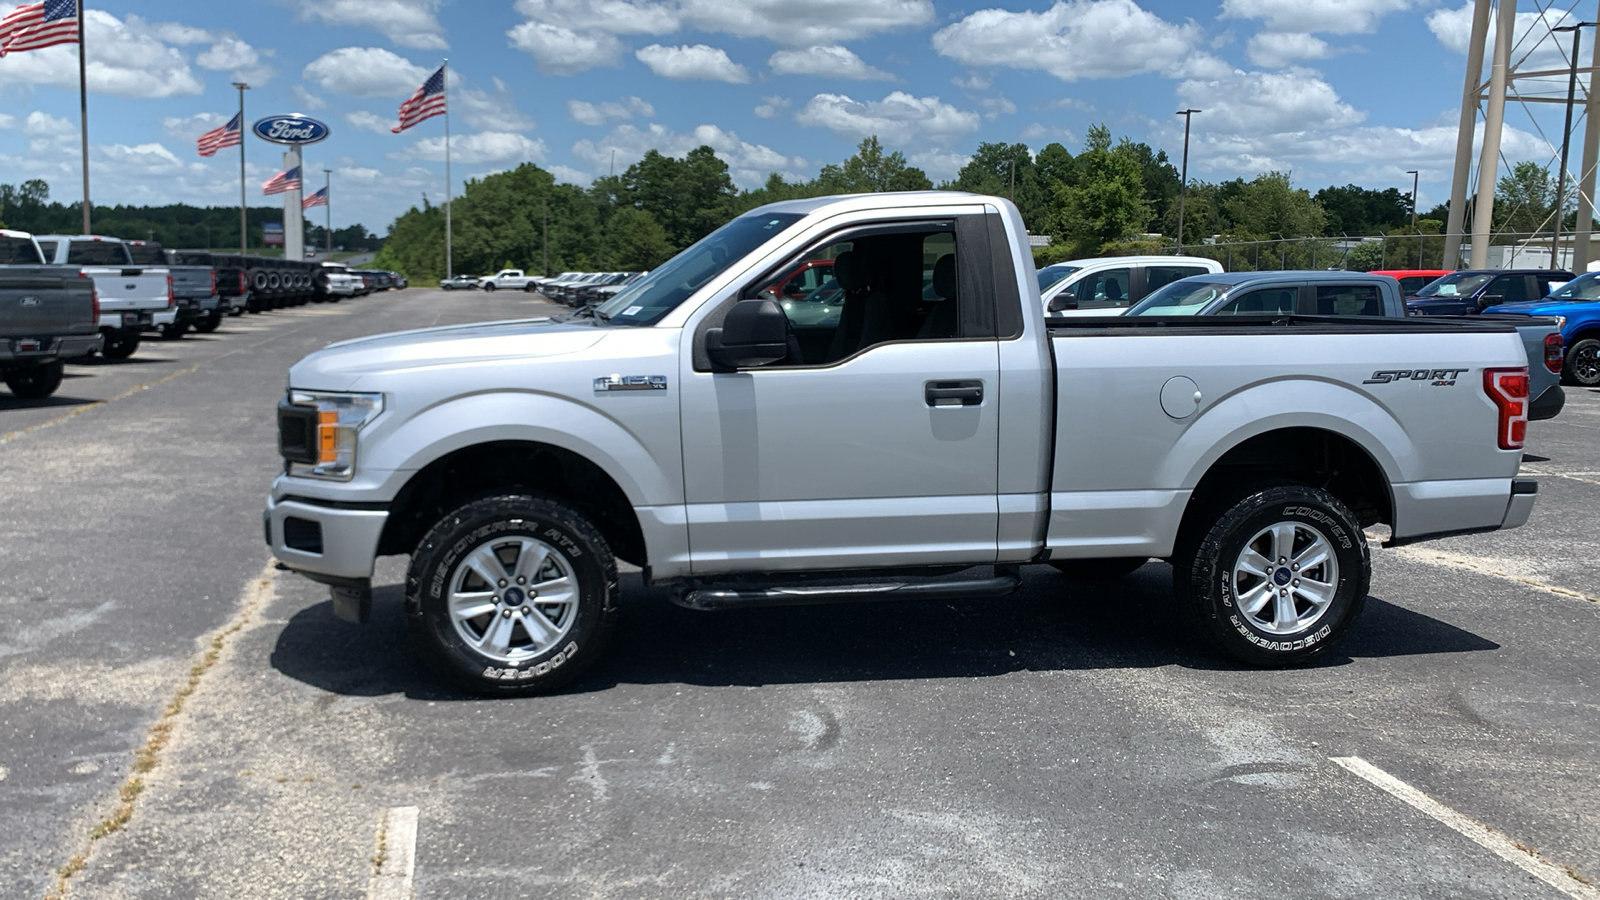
290, 129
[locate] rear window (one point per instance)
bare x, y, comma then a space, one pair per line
147, 254
48, 248
1349, 300
15, 251
97, 253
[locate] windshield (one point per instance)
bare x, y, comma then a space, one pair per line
1051, 274
1458, 284
18, 251
1584, 287
1180, 298
147, 254
650, 298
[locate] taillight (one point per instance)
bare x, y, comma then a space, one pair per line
1508, 389
244, 284
1555, 347
94, 303
213, 282
172, 296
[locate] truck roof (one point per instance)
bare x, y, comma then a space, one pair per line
1326, 275
849, 202
79, 237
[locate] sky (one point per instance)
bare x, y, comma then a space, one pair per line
1332, 91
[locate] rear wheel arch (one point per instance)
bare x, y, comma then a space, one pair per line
512, 466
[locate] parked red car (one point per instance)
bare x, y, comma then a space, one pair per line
1412, 280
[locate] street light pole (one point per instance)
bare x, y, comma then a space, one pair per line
1566, 140
1183, 187
243, 223
1414, 178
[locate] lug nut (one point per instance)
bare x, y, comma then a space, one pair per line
502, 582
1297, 582
1283, 592
506, 613
521, 580
526, 610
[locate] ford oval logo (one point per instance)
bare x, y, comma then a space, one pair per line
290, 129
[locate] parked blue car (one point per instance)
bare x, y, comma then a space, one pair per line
1576, 305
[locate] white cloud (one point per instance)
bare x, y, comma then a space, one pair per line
230, 54
897, 119
488, 110
1073, 39
46, 132
995, 107
1038, 132
698, 62
562, 51
366, 72
1276, 50
973, 83
1336, 16
941, 165
585, 113
772, 107
810, 23
1265, 103
409, 23
128, 59
570, 175
748, 164
308, 99
830, 62
189, 128
368, 121
1536, 47
485, 146
1365, 155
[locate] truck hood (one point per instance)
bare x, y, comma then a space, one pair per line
343, 366
1540, 307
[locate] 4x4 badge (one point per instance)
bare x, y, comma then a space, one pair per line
631, 383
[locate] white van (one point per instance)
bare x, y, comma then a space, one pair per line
1108, 285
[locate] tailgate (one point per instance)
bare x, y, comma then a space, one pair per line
129, 288
39, 301
191, 281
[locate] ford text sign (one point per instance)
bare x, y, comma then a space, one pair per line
290, 129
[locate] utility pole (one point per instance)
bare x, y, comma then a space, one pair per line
244, 232
1566, 140
1494, 116
545, 242
1183, 177
1414, 177
1013, 179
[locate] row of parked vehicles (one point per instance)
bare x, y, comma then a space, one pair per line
572, 288
66, 297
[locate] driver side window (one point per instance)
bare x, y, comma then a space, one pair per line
867, 288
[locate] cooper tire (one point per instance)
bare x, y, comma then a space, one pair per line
511, 595
35, 382
1275, 578
1099, 569
119, 345
1583, 363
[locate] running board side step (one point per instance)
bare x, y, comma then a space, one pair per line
709, 598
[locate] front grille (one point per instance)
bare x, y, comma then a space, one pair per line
297, 432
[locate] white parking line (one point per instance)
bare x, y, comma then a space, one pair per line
1527, 860
392, 881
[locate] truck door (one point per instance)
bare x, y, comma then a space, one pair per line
875, 441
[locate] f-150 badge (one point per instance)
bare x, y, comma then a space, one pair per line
631, 383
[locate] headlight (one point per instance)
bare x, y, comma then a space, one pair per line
332, 446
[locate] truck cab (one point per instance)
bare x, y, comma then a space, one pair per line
1470, 291
1105, 286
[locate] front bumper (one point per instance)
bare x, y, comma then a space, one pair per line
328, 542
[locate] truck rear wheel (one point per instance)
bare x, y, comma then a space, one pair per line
120, 344
175, 331
512, 595
35, 382
1276, 577
211, 322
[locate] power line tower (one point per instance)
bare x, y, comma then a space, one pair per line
1504, 75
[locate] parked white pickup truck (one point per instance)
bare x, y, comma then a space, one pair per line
133, 298
937, 427
510, 279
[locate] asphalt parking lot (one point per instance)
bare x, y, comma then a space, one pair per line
180, 719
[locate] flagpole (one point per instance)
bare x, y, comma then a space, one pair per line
83, 113
327, 201
446, 85
243, 224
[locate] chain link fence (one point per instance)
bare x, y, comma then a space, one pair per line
1369, 252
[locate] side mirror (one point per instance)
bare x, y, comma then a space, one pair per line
1063, 300
1488, 300
754, 333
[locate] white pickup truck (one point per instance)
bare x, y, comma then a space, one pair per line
928, 442
508, 279
133, 298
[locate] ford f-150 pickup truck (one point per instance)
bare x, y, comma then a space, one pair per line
133, 298
194, 288
46, 314
929, 442
1575, 306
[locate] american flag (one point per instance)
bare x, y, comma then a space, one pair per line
228, 135
39, 25
426, 103
320, 198
283, 182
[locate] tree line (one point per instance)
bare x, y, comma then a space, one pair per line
27, 207
1114, 196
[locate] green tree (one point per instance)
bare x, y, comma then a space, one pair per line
1353, 209
870, 170
1270, 207
1524, 198
1107, 202
1007, 170
689, 197
635, 241
415, 247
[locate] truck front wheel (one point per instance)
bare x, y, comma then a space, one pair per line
512, 595
1275, 578
488, 287
35, 382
